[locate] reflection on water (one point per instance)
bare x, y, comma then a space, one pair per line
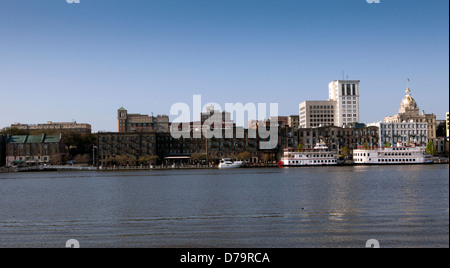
404, 206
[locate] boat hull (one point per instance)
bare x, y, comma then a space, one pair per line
226, 166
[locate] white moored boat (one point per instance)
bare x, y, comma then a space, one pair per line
228, 163
319, 156
391, 155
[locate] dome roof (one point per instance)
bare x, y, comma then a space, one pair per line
408, 101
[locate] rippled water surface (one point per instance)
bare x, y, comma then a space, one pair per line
400, 206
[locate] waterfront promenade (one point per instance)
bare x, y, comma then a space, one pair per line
437, 160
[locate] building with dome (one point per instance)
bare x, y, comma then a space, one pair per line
409, 113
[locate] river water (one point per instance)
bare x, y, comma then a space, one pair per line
400, 206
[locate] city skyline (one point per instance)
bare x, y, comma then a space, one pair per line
82, 62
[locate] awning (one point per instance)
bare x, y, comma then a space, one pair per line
177, 157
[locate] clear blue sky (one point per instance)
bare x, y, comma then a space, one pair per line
60, 62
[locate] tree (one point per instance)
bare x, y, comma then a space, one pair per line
198, 157
153, 159
431, 149
56, 159
244, 156
144, 159
345, 151
79, 144
265, 157
121, 159
440, 130
13, 131
82, 159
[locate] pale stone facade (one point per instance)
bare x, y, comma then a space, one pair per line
346, 94
317, 114
409, 112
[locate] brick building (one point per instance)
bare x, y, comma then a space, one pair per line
138, 145
2, 150
337, 137
141, 123
35, 149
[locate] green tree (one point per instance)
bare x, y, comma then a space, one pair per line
244, 156
153, 159
198, 156
121, 159
431, 149
82, 159
13, 131
345, 151
144, 159
79, 144
440, 130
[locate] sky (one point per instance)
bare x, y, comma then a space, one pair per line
81, 62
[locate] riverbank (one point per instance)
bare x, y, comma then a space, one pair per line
157, 167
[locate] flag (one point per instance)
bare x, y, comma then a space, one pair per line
409, 80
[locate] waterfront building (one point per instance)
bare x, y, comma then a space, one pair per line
213, 115
2, 150
346, 95
447, 134
282, 121
35, 149
317, 114
81, 128
409, 113
132, 145
404, 132
253, 124
447, 130
141, 123
336, 138
294, 121
440, 146
288, 137
167, 149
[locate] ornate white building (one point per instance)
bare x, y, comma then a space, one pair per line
404, 132
409, 114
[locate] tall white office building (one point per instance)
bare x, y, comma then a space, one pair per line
346, 95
